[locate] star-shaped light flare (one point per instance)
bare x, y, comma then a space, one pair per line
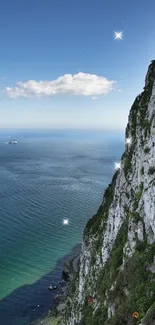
118, 35
117, 165
65, 222
128, 140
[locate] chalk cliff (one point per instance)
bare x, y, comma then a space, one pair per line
117, 263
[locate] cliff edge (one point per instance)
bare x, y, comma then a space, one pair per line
115, 284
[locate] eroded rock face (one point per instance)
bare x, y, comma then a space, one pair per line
118, 250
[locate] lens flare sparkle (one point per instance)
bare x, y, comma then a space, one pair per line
117, 165
65, 222
118, 35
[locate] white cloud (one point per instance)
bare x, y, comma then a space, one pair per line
78, 84
94, 98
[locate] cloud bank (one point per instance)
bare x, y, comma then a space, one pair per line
81, 84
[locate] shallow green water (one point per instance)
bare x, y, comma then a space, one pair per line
43, 180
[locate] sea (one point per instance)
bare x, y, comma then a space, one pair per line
48, 176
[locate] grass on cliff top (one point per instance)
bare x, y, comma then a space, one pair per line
141, 105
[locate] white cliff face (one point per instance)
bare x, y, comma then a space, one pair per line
84, 269
111, 311
115, 219
134, 196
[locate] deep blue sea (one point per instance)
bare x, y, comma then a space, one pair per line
47, 177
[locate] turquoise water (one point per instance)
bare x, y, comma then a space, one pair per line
45, 178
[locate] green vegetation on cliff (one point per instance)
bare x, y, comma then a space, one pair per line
123, 280
134, 285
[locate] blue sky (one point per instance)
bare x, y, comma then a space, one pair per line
42, 40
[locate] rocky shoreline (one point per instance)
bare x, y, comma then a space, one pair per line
70, 268
55, 313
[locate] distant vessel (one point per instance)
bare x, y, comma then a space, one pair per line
12, 142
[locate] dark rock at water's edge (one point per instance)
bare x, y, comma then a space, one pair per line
65, 275
62, 292
69, 268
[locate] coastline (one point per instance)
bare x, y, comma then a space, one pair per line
38, 300
54, 315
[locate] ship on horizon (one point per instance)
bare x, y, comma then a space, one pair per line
12, 142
